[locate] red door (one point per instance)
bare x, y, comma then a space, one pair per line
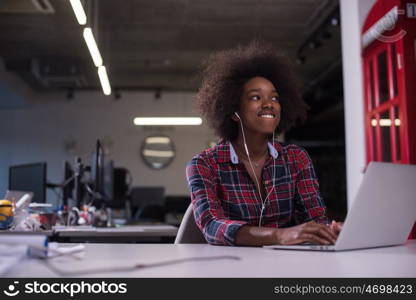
383, 105
389, 62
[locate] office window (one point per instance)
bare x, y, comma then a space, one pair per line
372, 89
394, 68
383, 87
385, 124
397, 124
374, 139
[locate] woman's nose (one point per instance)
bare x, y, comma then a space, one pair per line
267, 103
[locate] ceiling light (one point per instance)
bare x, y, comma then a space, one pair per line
105, 83
167, 121
92, 46
79, 12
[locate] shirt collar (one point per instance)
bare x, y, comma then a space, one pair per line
234, 157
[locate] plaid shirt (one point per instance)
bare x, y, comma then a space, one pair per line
224, 197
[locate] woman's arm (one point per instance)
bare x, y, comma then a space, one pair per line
209, 215
311, 232
309, 205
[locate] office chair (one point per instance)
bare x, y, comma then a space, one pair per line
189, 232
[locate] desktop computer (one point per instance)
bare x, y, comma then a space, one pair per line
30, 178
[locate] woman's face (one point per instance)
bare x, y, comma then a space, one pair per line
259, 106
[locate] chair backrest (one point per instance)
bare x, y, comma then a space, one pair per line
189, 232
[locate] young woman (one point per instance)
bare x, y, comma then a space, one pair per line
250, 189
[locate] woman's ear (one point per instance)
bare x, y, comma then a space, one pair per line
234, 117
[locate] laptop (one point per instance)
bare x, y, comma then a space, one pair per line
382, 213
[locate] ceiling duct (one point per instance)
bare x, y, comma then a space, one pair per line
26, 6
57, 73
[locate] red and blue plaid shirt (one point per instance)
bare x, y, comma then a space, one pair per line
224, 197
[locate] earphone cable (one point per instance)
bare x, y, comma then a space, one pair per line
271, 190
263, 202
249, 160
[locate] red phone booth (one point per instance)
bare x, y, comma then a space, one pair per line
389, 62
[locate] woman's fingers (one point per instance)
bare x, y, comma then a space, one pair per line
313, 238
311, 232
321, 231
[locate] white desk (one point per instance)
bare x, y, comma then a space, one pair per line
124, 234
399, 261
48, 233
125, 231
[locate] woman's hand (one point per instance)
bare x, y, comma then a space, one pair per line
310, 232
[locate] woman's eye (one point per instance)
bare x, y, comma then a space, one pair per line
256, 97
275, 98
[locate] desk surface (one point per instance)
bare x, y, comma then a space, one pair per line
48, 233
399, 261
151, 233
123, 231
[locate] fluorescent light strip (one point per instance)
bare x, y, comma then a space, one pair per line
105, 84
92, 46
167, 121
79, 12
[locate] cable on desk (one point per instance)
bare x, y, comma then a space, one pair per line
56, 253
136, 267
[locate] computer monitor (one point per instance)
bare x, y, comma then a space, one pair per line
97, 168
108, 182
68, 183
30, 178
102, 174
121, 181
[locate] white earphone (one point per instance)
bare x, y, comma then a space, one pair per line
252, 168
244, 138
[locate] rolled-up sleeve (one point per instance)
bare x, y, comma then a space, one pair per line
309, 205
208, 212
